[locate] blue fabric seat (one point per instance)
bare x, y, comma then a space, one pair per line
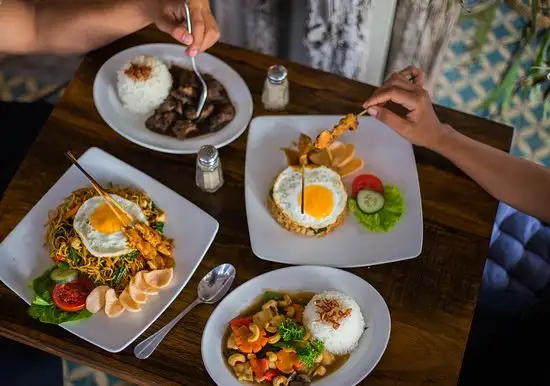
511, 327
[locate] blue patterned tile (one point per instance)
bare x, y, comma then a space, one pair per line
495, 57
534, 141
452, 75
468, 94
488, 83
447, 102
501, 32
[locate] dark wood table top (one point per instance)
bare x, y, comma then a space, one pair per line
431, 298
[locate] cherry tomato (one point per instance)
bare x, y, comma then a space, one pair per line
367, 181
71, 296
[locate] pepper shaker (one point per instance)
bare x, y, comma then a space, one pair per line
275, 95
209, 173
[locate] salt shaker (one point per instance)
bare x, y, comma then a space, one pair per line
209, 174
275, 93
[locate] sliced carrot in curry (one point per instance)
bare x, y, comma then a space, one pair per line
241, 339
286, 360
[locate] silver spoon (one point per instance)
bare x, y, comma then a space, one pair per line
204, 91
211, 289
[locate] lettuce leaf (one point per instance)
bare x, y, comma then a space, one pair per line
53, 315
43, 308
387, 218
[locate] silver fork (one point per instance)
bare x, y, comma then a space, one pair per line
204, 92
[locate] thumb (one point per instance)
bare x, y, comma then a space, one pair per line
391, 119
176, 30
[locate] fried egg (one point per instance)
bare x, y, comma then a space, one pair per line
325, 196
100, 229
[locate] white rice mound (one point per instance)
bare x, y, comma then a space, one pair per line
345, 338
143, 96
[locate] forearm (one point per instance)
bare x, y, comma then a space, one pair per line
79, 26
519, 183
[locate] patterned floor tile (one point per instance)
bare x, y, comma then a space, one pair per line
464, 83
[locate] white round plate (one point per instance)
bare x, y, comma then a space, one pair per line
132, 126
303, 278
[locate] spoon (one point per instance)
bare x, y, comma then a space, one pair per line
210, 290
204, 91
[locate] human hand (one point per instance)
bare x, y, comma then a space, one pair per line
170, 18
420, 126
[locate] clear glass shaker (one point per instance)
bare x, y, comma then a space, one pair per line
209, 173
275, 94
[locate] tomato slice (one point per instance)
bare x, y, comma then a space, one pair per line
71, 296
367, 181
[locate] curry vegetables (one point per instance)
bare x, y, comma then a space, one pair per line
271, 345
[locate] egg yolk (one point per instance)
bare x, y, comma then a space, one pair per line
318, 201
104, 220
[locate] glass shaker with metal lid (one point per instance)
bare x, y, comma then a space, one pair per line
209, 173
275, 95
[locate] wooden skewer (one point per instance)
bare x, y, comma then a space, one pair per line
362, 113
110, 201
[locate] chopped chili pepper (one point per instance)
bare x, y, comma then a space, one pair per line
259, 366
241, 321
58, 258
270, 375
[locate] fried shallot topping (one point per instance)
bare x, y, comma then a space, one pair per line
329, 311
139, 71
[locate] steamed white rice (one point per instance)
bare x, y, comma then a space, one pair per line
143, 95
343, 339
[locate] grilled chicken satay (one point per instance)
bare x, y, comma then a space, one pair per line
327, 137
149, 234
157, 240
305, 145
144, 247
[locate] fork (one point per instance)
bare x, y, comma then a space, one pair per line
204, 92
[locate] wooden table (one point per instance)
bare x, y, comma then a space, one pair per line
431, 298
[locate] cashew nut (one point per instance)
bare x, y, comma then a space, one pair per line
289, 349
280, 381
231, 344
286, 302
274, 338
307, 335
255, 330
270, 304
277, 320
328, 358
320, 371
269, 328
271, 356
239, 367
251, 356
235, 358
319, 358
290, 311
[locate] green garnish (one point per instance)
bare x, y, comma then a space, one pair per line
110, 185
75, 257
290, 330
154, 207
159, 226
308, 353
63, 265
385, 219
131, 255
320, 230
269, 295
51, 314
118, 275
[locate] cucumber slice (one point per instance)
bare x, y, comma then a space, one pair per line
370, 201
60, 276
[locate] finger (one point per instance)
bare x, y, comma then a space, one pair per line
406, 98
394, 121
212, 33
399, 80
415, 73
177, 31
198, 28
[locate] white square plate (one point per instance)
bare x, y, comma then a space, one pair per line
386, 155
23, 255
